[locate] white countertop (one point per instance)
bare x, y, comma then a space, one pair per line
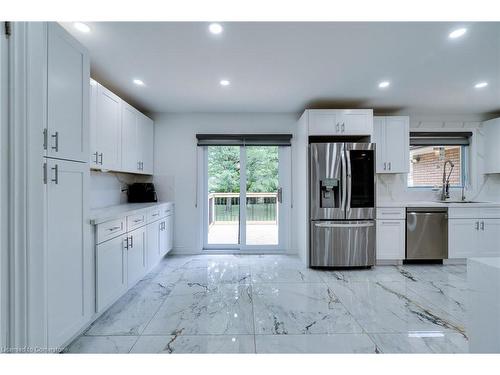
436, 204
101, 215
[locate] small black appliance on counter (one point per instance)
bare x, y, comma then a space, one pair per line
142, 192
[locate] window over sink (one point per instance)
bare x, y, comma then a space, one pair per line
428, 154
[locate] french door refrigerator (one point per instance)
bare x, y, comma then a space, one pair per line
342, 204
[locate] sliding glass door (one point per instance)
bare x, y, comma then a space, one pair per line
247, 197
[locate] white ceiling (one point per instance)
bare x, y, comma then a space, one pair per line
287, 67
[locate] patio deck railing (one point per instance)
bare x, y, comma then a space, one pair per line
225, 207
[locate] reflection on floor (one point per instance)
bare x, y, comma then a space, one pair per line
272, 304
257, 234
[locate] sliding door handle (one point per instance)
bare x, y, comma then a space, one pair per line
279, 195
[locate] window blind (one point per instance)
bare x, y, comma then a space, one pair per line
440, 138
244, 139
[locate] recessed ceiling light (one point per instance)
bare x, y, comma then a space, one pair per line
481, 85
138, 82
80, 26
224, 82
384, 84
215, 28
457, 33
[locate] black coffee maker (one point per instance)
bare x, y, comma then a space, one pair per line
142, 192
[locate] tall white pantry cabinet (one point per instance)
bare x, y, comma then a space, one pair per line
65, 183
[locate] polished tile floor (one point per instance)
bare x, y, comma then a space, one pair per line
273, 304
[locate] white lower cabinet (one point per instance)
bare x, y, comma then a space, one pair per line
127, 249
473, 238
390, 239
136, 256
111, 270
154, 241
66, 210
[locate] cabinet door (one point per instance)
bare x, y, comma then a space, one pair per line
163, 249
169, 232
94, 153
489, 237
390, 239
147, 144
463, 237
154, 233
356, 122
379, 140
136, 256
68, 74
323, 122
67, 244
397, 144
111, 276
130, 141
108, 129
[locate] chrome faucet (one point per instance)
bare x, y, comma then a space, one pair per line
445, 191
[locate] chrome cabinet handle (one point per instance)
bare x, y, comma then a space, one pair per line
385, 166
338, 127
114, 228
482, 225
56, 174
96, 154
138, 165
156, 214
101, 157
138, 220
56, 138
477, 225
343, 127
390, 166
126, 243
131, 241
45, 139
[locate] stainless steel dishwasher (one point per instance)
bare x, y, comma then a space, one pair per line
426, 233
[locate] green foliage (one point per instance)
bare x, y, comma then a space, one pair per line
224, 169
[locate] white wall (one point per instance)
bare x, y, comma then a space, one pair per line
176, 161
106, 188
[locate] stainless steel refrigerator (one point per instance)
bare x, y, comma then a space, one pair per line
342, 204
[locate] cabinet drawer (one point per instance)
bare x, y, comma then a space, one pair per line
391, 213
136, 221
463, 212
110, 229
154, 214
490, 213
168, 210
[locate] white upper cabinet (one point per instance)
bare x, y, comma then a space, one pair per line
340, 121
491, 130
391, 134
108, 127
121, 136
146, 136
67, 133
130, 142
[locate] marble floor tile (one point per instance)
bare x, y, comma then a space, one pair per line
300, 308
132, 312
420, 342
377, 273
102, 344
334, 343
283, 270
220, 344
221, 309
391, 307
431, 272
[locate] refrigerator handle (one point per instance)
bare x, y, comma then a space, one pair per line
343, 181
349, 181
